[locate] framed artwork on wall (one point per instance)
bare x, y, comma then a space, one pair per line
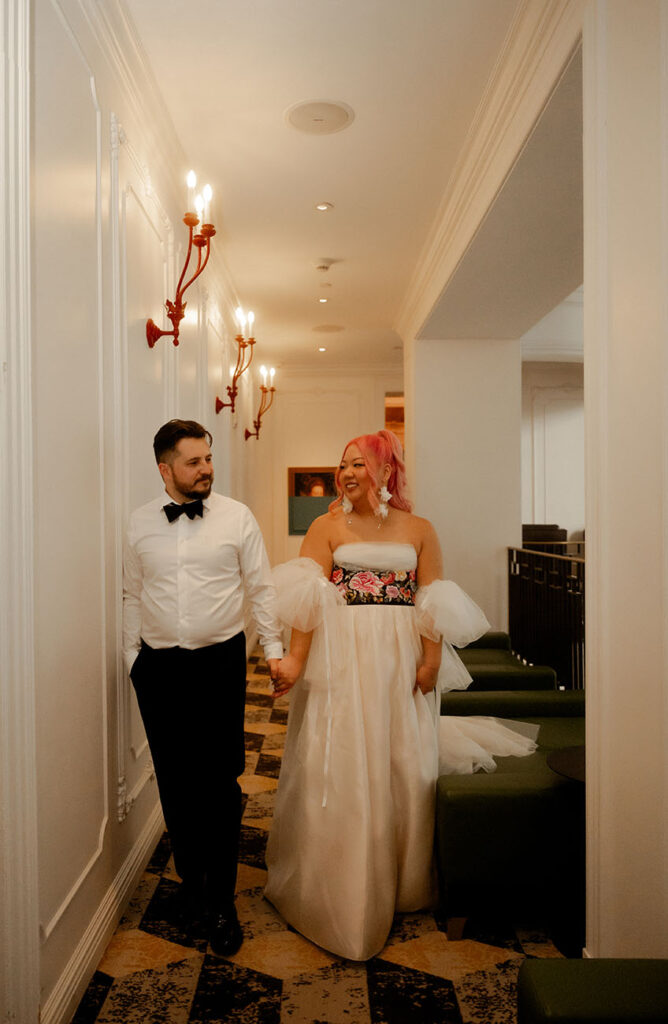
311, 490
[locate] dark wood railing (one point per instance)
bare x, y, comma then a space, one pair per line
546, 609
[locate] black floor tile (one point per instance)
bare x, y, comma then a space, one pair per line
93, 999
252, 844
227, 993
253, 740
160, 856
268, 765
398, 994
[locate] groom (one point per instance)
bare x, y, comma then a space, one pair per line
191, 557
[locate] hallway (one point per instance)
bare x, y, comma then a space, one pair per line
154, 974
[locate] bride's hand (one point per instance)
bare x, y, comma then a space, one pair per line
425, 678
289, 670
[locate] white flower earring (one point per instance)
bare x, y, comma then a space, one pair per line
346, 504
384, 496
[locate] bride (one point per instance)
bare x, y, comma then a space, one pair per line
372, 623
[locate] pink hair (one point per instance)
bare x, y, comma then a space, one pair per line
379, 450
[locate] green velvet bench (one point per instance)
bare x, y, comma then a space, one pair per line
514, 838
493, 666
606, 991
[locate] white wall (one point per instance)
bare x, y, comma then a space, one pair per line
464, 418
626, 401
312, 419
553, 444
108, 195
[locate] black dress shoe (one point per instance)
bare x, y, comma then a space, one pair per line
226, 935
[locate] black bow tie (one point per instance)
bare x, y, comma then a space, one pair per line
191, 509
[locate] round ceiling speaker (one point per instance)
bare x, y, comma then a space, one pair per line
320, 117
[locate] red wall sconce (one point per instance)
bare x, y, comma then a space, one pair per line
201, 241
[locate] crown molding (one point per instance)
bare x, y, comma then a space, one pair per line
542, 38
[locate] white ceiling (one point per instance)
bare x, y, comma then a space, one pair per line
412, 72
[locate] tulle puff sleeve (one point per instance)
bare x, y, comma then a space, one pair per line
446, 612
304, 596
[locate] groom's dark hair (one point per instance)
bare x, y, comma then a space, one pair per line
169, 435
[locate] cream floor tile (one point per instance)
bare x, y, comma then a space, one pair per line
133, 950
257, 784
251, 762
339, 992
489, 997
434, 954
250, 878
160, 996
257, 915
266, 728
281, 954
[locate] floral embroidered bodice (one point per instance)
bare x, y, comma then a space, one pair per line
377, 573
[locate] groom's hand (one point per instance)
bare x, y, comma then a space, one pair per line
289, 670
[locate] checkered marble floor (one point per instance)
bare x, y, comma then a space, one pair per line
154, 973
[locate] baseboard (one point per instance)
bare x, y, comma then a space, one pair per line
66, 995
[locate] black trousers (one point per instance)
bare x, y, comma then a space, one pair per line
192, 706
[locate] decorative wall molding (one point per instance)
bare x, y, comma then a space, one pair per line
47, 928
64, 998
542, 38
19, 946
148, 202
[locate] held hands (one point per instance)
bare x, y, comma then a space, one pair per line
288, 671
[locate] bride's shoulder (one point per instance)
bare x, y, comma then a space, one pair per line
419, 526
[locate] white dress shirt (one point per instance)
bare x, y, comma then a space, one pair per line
184, 582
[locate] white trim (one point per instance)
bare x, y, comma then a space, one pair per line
542, 38
663, 16
19, 946
72, 983
596, 378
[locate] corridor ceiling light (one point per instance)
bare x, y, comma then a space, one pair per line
323, 207
322, 349
202, 240
322, 300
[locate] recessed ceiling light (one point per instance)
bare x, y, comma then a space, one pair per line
322, 300
321, 117
322, 349
323, 207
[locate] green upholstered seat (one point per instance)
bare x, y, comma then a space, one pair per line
493, 639
515, 836
498, 669
605, 991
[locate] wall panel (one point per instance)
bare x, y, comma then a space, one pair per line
69, 483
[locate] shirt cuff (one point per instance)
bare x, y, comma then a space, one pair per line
273, 650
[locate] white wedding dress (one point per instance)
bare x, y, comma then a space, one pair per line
352, 836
